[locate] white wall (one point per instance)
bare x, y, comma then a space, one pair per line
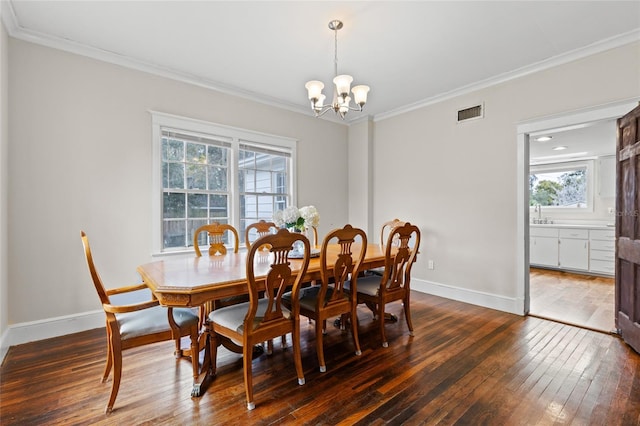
4, 179
80, 158
460, 179
360, 174
80, 148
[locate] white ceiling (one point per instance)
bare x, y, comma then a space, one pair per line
586, 140
410, 53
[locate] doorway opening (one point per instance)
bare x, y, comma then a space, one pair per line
548, 290
572, 234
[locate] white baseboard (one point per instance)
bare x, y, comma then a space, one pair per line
53, 327
486, 300
25, 332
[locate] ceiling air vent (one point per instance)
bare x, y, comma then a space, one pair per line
470, 113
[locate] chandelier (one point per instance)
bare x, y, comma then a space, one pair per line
341, 99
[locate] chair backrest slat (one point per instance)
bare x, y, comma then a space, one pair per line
345, 266
278, 280
216, 233
259, 229
400, 257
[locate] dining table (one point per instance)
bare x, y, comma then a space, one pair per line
186, 280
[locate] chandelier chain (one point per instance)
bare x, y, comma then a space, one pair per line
335, 53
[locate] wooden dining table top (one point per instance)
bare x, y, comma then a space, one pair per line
188, 280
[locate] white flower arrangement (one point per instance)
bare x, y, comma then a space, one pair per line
292, 217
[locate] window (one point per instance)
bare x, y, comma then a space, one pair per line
562, 185
208, 172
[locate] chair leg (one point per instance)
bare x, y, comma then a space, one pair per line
319, 344
109, 363
385, 344
247, 361
178, 352
117, 372
407, 314
354, 330
297, 357
213, 351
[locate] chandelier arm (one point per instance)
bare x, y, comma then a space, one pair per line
358, 108
324, 110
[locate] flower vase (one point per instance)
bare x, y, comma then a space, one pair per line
298, 246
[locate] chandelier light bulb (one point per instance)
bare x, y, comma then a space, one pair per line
314, 87
343, 84
360, 94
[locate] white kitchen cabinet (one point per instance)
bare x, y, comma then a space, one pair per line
573, 249
602, 247
543, 247
607, 176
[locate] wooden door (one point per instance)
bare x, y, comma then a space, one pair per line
628, 229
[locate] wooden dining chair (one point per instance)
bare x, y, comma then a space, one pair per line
257, 230
385, 230
330, 299
264, 318
216, 232
137, 324
394, 284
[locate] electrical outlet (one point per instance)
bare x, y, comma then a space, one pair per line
430, 264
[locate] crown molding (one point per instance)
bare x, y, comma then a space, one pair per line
14, 30
592, 49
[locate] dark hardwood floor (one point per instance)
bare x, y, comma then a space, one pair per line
582, 300
466, 365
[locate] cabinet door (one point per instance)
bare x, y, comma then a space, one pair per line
543, 251
574, 253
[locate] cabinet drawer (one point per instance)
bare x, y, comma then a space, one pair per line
535, 231
603, 245
602, 234
602, 266
602, 255
574, 233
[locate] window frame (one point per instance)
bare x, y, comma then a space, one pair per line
232, 135
560, 166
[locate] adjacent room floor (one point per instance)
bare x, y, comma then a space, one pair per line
582, 300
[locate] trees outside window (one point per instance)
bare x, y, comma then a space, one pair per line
562, 185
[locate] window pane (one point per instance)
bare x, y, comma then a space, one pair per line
202, 238
217, 155
560, 188
263, 181
280, 183
174, 233
173, 205
172, 150
247, 177
175, 178
218, 207
278, 164
197, 205
196, 153
217, 178
265, 208
250, 204
196, 176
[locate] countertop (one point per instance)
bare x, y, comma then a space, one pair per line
573, 225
